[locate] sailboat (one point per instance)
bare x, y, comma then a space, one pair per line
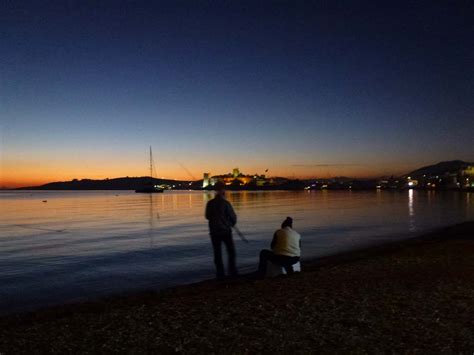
151, 187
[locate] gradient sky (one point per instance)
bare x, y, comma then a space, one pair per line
300, 88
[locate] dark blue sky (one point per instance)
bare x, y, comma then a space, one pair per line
367, 87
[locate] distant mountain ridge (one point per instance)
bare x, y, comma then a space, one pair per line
123, 183
440, 168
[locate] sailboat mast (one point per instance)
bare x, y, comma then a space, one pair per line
151, 163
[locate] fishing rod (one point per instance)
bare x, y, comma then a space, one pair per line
39, 228
187, 171
240, 234
237, 230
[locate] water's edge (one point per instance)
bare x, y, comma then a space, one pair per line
439, 234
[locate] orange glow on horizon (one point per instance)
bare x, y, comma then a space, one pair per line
37, 168
23, 176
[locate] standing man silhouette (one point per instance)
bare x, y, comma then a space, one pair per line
221, 218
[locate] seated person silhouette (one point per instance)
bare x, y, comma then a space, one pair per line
285, 251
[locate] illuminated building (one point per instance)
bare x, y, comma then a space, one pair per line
235, 173
412, 182
466, 176
235, 179
205, 181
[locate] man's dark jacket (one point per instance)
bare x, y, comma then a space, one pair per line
221, 216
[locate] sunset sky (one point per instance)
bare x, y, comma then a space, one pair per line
300, 88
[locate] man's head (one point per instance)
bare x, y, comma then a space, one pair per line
219, 187
288, 222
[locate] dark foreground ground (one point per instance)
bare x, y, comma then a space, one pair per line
414, 296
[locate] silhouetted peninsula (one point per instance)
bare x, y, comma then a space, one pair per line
123, 183
444, 167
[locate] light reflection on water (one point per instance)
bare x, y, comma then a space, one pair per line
411, 211
85, 244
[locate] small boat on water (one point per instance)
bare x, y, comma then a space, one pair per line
150, 187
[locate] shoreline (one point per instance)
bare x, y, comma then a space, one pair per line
432, 274
434, 234
308, 264
272, 189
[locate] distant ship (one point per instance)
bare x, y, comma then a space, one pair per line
150, 187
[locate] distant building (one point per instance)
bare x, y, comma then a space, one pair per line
205, 180
468, 171
411, 183
236, 178
261, 180
466, 176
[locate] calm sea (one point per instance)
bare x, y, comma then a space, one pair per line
58, 247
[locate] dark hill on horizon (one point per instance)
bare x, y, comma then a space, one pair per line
440, 168
123, 183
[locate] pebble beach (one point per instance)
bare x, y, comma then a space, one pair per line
412, 296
